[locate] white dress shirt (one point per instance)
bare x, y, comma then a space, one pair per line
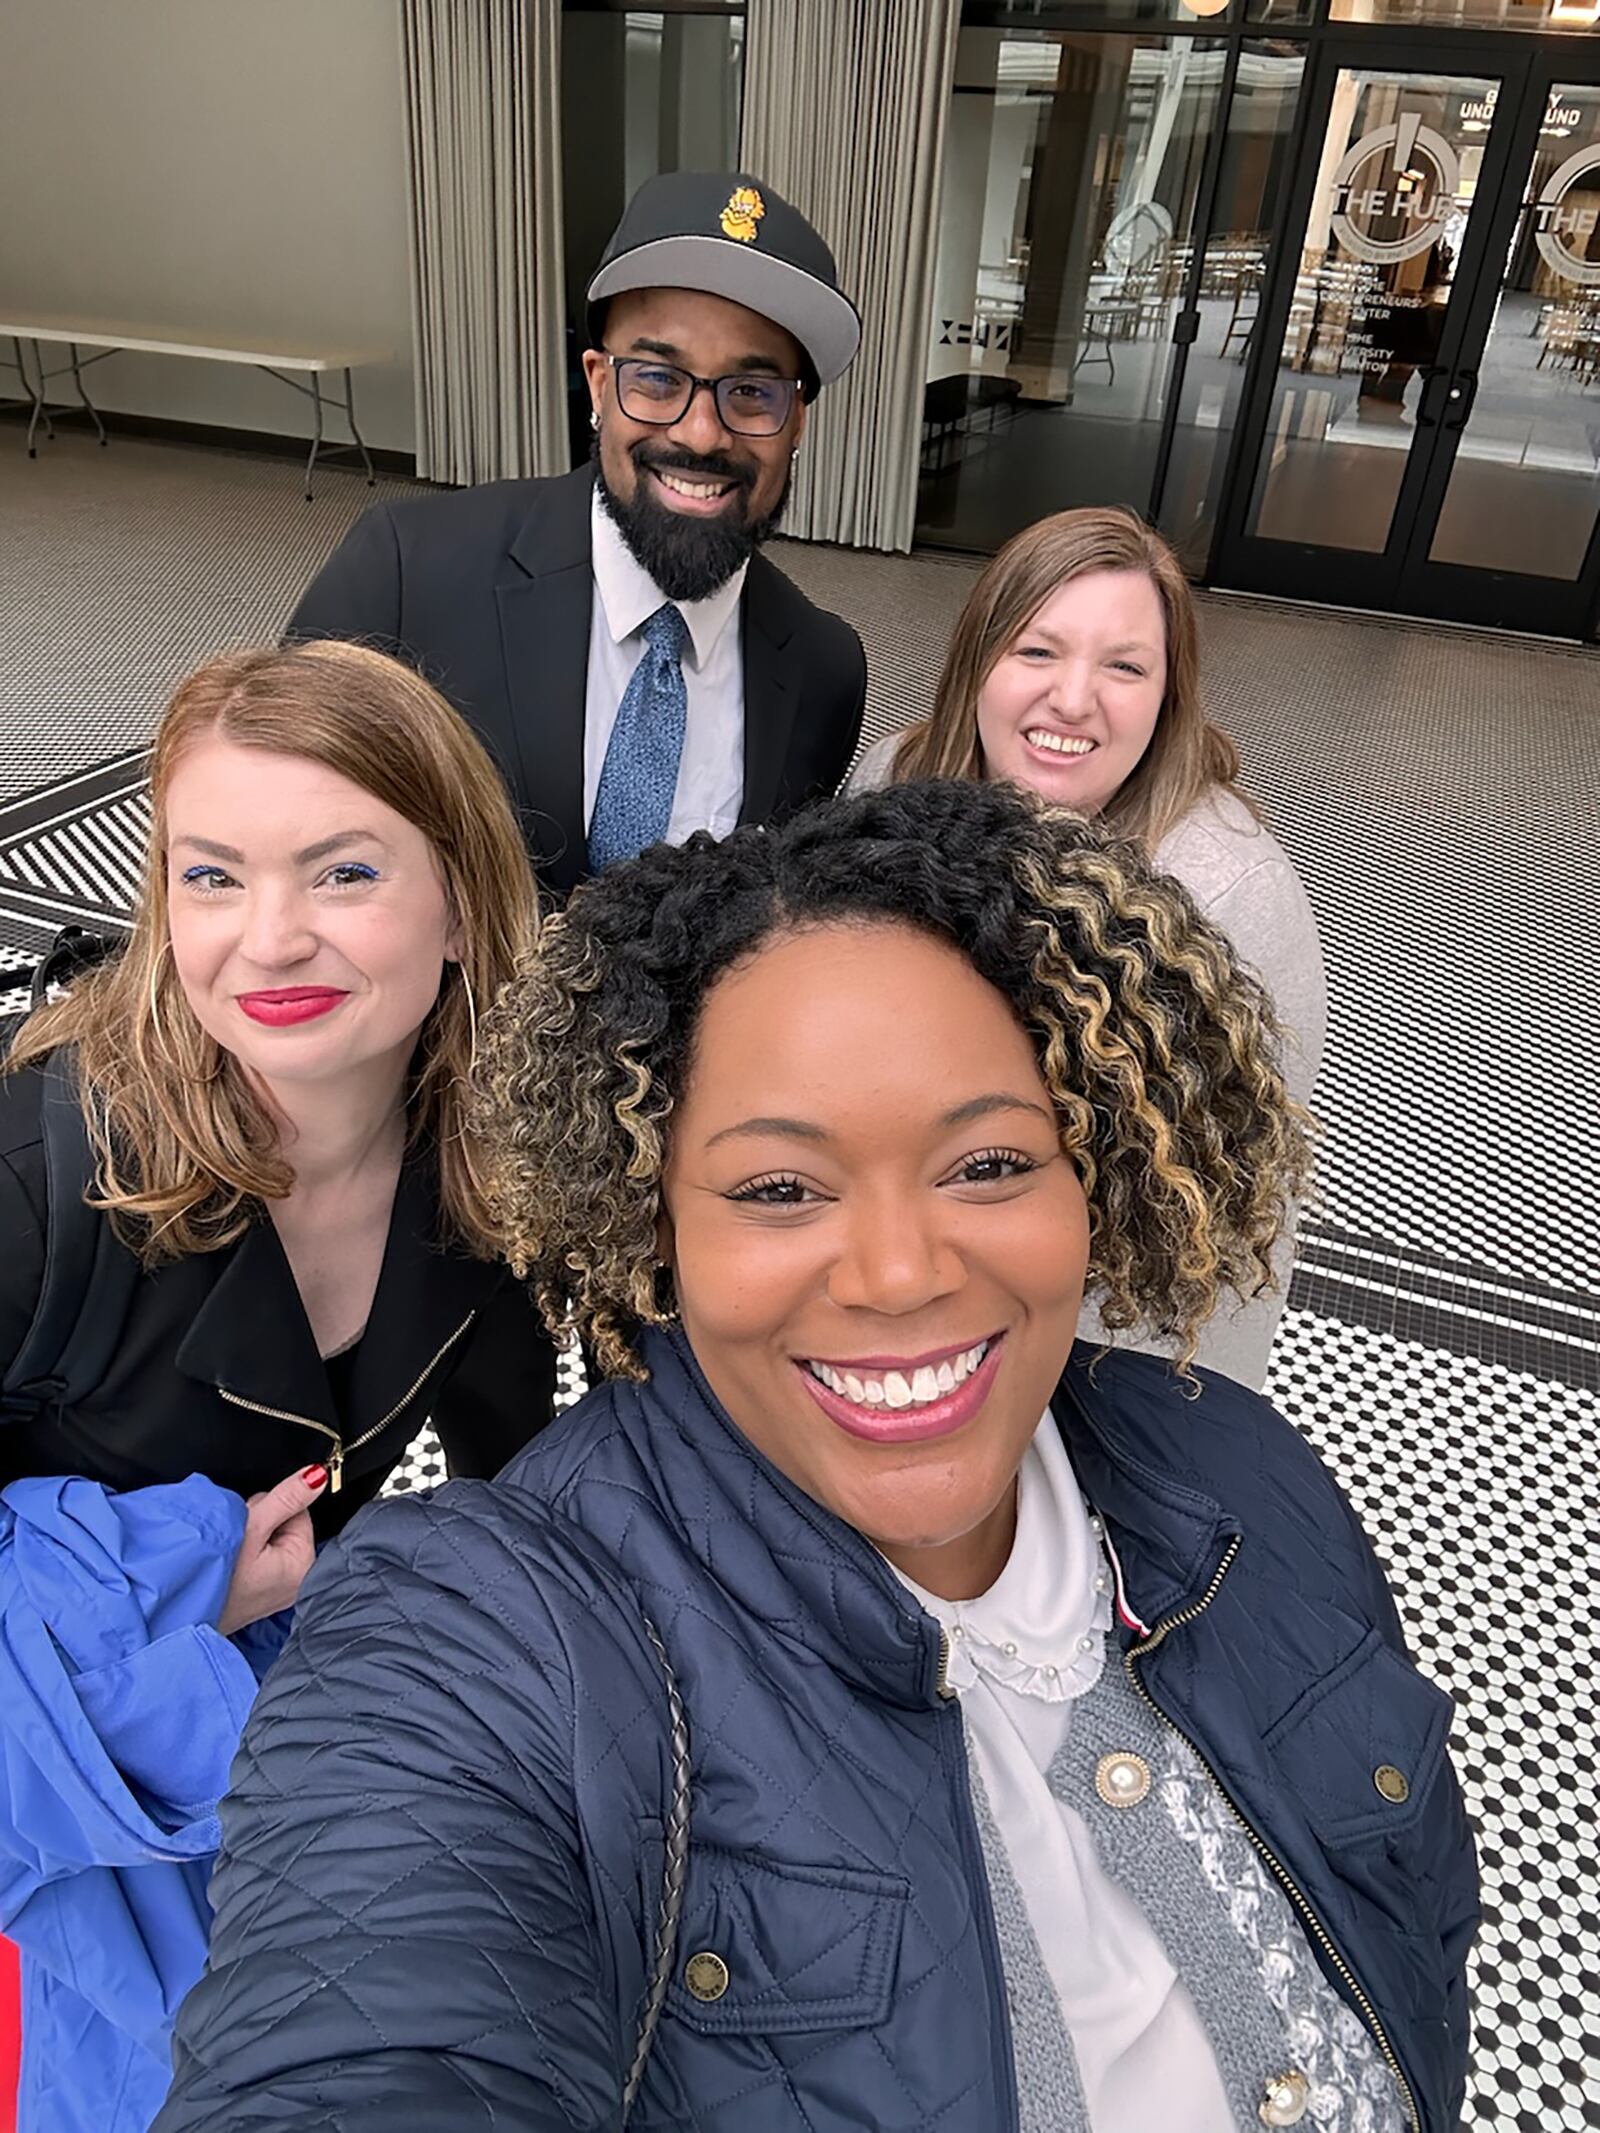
710, 788
1020, 1655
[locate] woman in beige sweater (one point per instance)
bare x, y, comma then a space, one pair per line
1074, 670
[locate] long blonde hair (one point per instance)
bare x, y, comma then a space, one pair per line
1187, 755
185, 1147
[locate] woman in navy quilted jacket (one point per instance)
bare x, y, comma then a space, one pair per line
868, 1709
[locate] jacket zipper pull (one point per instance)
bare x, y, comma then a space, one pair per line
336, 1470
942, 1683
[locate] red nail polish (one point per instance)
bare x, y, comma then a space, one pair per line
314, 1476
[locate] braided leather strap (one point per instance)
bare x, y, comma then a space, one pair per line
677, 1868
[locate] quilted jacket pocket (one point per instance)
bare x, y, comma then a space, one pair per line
1362, 1746
799, 1947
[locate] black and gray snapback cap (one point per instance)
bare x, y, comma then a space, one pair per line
728, 234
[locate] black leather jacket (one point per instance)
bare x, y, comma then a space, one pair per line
216, 1371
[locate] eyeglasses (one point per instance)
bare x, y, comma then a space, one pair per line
749, 403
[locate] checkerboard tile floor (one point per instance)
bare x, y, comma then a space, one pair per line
1478, 1492
16, 968
1442, 1349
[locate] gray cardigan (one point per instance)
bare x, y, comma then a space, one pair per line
1245, 883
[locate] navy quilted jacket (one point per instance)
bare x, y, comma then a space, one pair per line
442, 1856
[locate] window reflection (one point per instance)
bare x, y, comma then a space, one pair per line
1256, 170
1526, 480
1072, 164
1357, 365
1540, 15
1017, 16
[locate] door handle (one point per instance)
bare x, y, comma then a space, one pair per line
1459, 399
1428, 410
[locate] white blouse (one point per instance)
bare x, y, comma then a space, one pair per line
1020, 1654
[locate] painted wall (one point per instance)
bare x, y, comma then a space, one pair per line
215, 169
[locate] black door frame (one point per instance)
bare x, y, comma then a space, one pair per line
1395, 580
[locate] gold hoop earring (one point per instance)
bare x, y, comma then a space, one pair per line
158, 1027
472, 1022
153, 996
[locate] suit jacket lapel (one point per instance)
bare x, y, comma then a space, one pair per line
424, 1296
251, 1336
545, 599
769, 692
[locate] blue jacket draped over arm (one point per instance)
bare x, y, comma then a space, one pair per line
121, 1707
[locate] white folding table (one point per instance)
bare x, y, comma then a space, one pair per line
108, 338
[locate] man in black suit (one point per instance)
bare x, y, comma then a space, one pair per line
635, 666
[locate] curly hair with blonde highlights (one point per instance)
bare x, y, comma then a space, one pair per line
1160, 1053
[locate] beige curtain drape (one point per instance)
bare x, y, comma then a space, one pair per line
844, 114
483, 112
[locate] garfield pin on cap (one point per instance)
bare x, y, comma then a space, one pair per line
728, 234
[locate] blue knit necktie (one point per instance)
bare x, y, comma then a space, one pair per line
633, 803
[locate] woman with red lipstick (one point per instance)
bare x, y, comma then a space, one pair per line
283, 1269
869, 1709
1074, 670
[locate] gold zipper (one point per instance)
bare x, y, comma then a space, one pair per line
1138, 1651
341, 1451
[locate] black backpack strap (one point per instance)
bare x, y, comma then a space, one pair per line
89, 1275
74, 950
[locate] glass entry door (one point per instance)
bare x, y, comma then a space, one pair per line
1072, 176
1423, 428
1515, 496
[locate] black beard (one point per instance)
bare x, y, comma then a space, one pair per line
689, 558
